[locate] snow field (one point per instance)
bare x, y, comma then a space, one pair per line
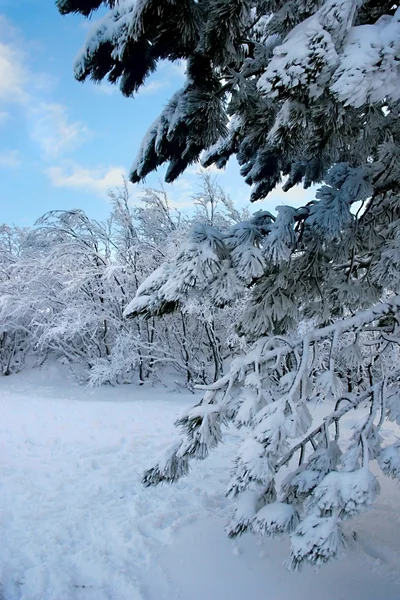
76, 523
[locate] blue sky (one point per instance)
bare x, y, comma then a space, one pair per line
64, 144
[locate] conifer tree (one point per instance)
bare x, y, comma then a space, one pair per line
303, 92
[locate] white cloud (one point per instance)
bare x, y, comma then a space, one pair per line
18, 82
166, 71
154, 86
98, 180
12, 75
181, 192
108, 89
54, 132
23, 89
173, 69
10, 159
296, 196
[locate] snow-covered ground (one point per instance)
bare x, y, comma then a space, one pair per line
76, 523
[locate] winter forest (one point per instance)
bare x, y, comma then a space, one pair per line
67, 281
279, 330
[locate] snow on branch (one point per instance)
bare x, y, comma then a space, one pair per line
275, 384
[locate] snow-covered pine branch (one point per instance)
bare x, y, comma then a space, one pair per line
304, 93
270, 392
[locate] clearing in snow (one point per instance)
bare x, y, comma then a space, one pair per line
76, 522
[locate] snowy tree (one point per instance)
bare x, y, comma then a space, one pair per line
69, 284
16, 336
201, 327
65, 282
63, 288
308, 91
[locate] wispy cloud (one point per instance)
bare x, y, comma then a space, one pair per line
98, 180
107, 89
10, 159
154, 86
296, 196
27, 91
174, 69
4, 116
166, 72
54, 131
163, 78
12, 74
181, 192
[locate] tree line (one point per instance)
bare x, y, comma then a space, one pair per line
65, 282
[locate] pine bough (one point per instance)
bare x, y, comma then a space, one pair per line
269, 392
308, 90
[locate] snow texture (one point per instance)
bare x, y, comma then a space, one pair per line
76, 524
